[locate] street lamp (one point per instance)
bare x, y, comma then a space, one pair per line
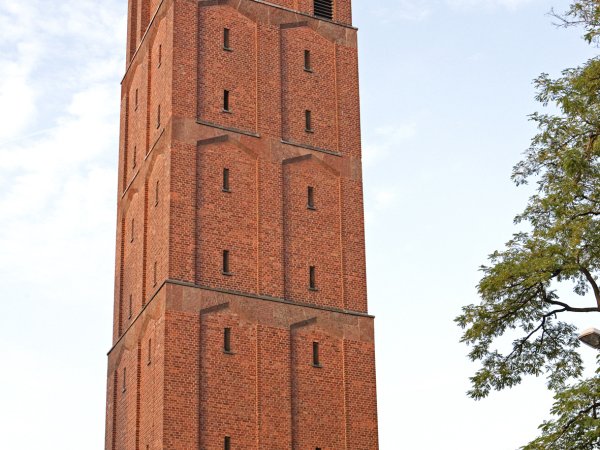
591, 337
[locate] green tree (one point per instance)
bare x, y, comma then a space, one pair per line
519, 290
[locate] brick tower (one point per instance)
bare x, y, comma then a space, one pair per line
240, 314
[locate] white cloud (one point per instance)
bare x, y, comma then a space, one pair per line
60, 69
384, 198
385, 140
508, 4
18, 53
418, 10
411, 10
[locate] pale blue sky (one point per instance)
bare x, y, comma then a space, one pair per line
445, 88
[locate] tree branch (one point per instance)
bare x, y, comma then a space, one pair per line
584, 214
591, 280
577, 416
570, 308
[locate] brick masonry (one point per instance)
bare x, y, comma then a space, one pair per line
170, 383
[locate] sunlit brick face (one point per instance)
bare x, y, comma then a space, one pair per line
241, 315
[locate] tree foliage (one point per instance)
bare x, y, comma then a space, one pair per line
519, 290
583, 13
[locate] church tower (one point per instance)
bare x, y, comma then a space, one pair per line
240, 312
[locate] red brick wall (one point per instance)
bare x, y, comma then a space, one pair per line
149, 371
275, 395
157, 238
126, 400
221, 69
317, 396
360, 394
266, 394
159, 82
228, 382
312, 237
314, 91
134, 418
181, 381
133, 257
341, 8
136, 121
271, 238
348, 103
227, 220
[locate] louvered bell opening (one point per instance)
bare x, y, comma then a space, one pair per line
324, 9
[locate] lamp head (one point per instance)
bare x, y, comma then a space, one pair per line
591, 337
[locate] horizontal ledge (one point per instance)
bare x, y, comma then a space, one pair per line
241, 294
270, 299
311, 147
221, 127
295, 11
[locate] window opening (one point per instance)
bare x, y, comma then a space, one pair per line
324, 9
227, 340
311, 198
308, 121
226, 40
226, 101
307, 65
226, 180
227, 443
226, 262
158, 117
312, 279
156, 194
316, 361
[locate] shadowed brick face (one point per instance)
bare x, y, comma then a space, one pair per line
296, 277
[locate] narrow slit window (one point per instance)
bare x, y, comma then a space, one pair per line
149, 351
124, 379
323, 9
312, 278
154, 275
130, 306
226, 101
156, 191
226, 187
316, 361
307, 65
227, 443
226, 262
132, 229
311, 197
159, 55
226, 39
136, 98
134, 162
158, 117
227, 340
308, 120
